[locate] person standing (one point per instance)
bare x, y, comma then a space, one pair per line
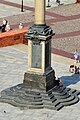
76, 55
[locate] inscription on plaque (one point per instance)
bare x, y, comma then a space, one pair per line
36, 55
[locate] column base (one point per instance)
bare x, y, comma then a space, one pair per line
40, 82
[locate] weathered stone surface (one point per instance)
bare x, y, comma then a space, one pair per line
25, 98
40, 82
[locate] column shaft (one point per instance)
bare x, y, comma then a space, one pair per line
39, 11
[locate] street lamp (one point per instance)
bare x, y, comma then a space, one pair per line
22, 6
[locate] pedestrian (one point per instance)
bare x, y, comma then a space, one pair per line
20, 26
76, 55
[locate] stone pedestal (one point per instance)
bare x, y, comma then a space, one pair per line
40, 74
39, 82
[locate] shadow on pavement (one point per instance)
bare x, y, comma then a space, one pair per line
68, 80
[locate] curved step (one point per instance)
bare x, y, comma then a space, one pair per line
53, 107
67, 99
74, 101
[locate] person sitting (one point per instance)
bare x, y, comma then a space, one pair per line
72, 68
76, 70
20, 26
7, 27
58, 2
58, 82
3, 25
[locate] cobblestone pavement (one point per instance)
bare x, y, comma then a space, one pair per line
13, 65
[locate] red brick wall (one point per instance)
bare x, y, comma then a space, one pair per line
13, 37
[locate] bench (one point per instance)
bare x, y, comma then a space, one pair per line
13, 37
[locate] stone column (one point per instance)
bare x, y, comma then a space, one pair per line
40, 74
39, 12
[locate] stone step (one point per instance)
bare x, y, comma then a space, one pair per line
29, 102
67, 89
36, 107
47, 96
54, 99
22, 105
55, 103
53, 107
66, 99
74, 101
24, 90
57, 88
59, 93
31, 96
75, 92
62, 97
49, 100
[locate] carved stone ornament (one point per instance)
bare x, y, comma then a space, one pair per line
40, 32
